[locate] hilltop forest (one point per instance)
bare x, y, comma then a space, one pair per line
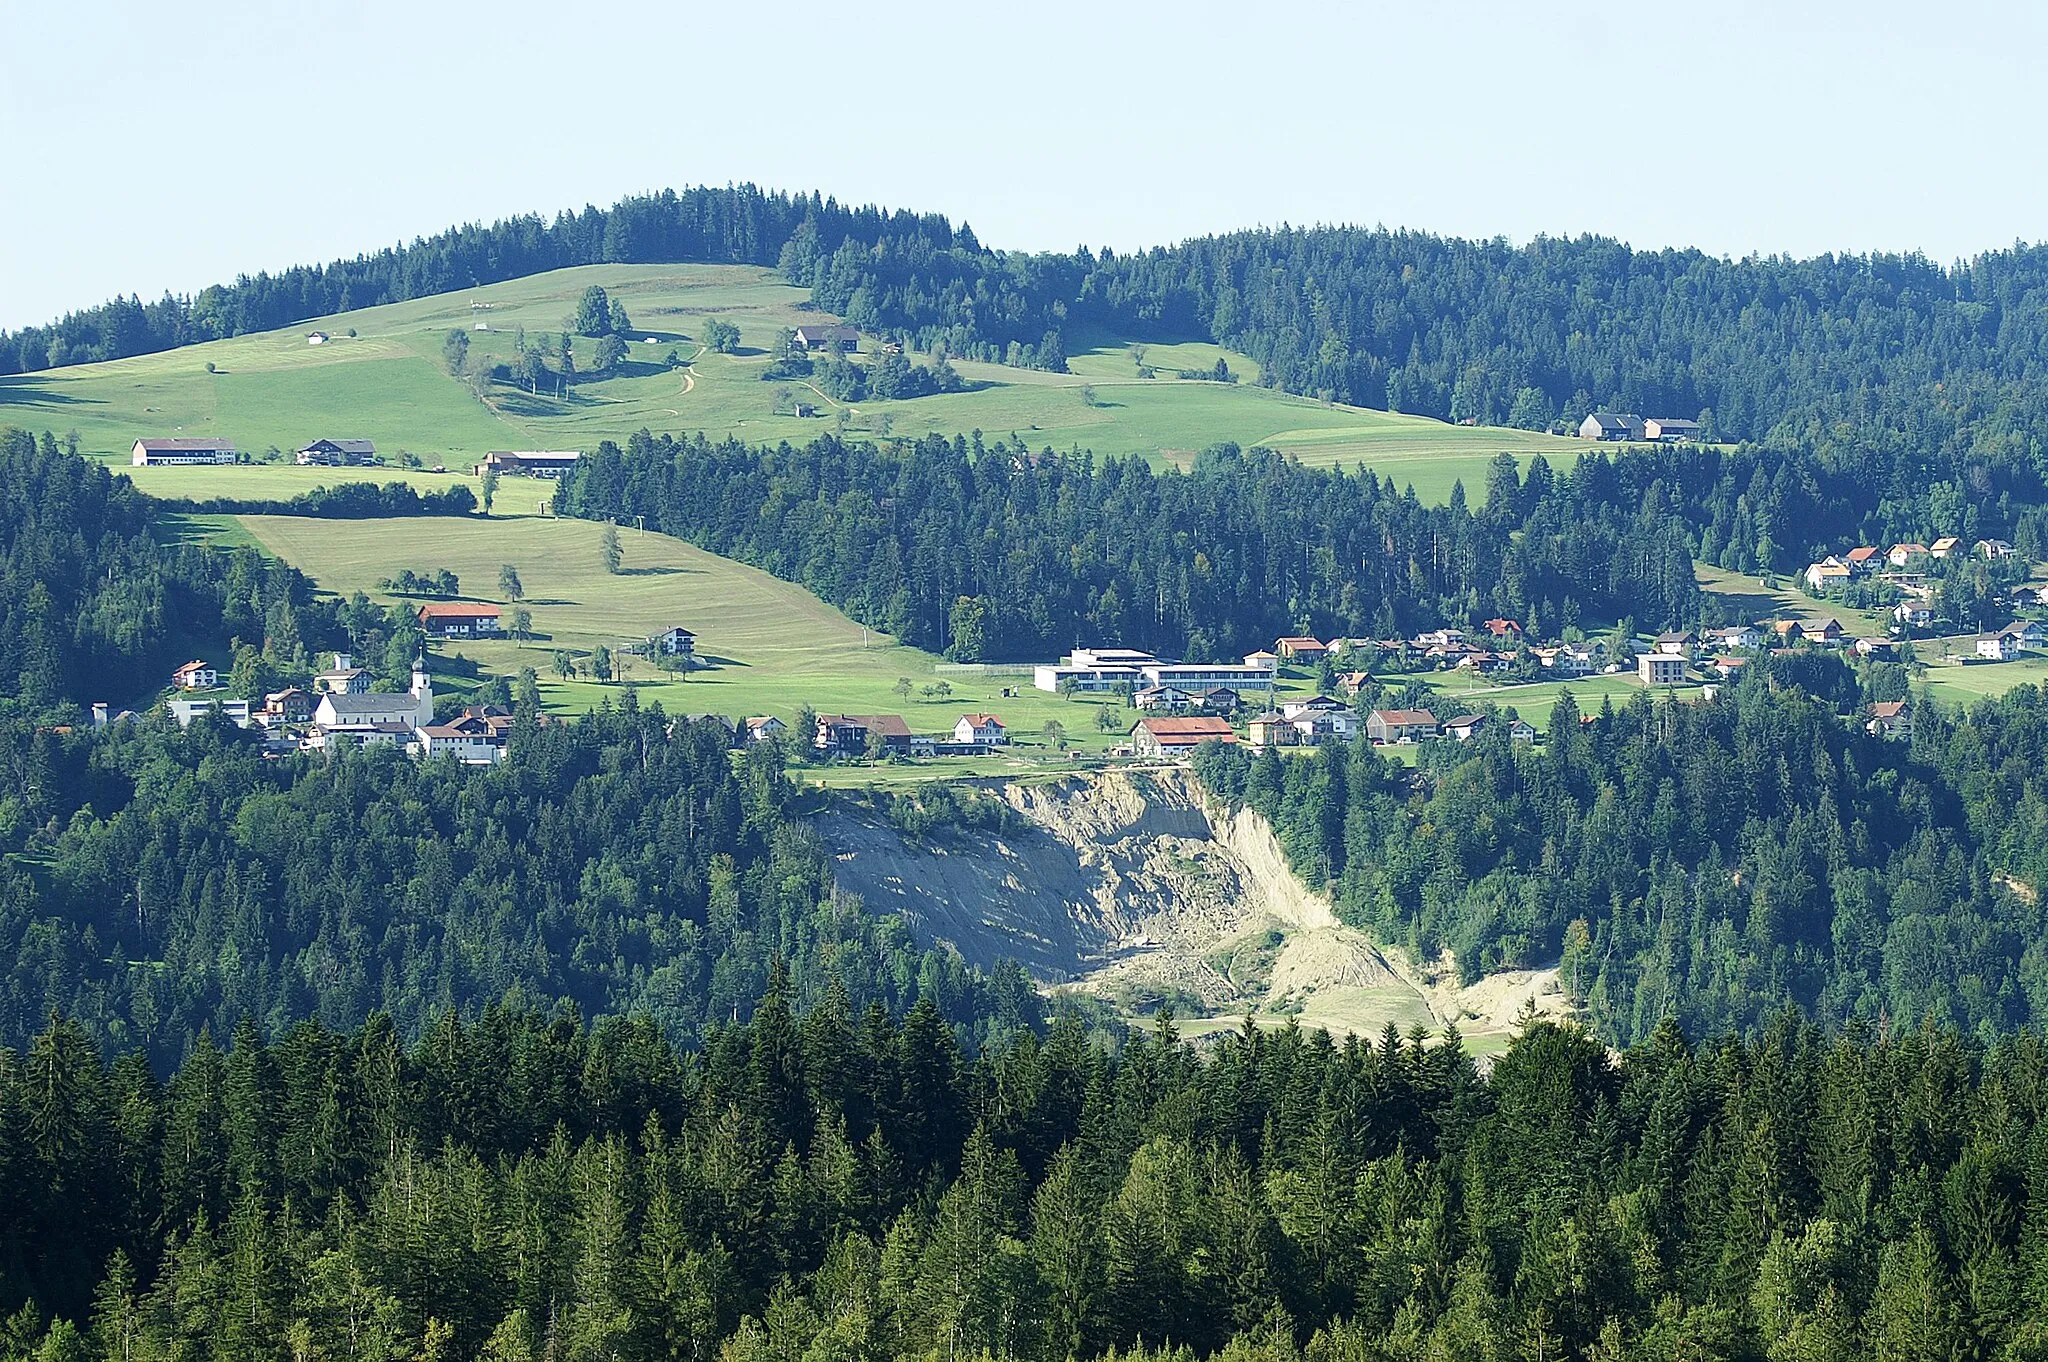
1876, 366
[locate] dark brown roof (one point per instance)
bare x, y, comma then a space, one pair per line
1405, 717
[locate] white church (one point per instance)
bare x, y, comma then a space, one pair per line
361, 716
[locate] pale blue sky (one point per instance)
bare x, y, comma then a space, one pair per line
156, 146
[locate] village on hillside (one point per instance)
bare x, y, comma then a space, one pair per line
1390, 691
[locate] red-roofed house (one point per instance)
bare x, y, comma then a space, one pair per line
1301, 649
986, 729
1176, 737
1400, 725
457, 619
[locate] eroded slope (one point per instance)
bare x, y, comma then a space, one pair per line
1133, 886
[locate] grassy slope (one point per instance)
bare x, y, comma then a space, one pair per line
388, 383
777, 646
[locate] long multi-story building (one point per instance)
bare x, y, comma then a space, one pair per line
1100, 670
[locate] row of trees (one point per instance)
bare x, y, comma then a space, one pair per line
836, 1184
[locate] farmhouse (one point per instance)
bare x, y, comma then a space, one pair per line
985, 729
1612, 425
849, 733
165, 453
1901, 554
529, 463
1991, 548
1678, 643
1661, 669
1789, 632
1220, 700
676, 642
1399, 725
338, 453
1877, 649
825, 335
1670, 430
763, 728
1728, 668
1177, 737
1504, 629
195, 675
1890, 719
1301, 650
457, 619
1521, 731
1861, 560
1827, 631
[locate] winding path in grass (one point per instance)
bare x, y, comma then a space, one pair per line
690, 375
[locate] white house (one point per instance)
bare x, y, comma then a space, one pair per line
195, 675
985, 729
1913, 614
2000, 647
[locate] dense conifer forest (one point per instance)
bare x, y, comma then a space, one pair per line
993, 551
835, 1184
1712, 863
161, 884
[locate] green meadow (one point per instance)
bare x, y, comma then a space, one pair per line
772, 647
388, 383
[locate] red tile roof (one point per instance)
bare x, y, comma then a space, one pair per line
456, 610
1178, 731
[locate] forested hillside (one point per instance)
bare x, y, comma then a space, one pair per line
1878, 361
842, 1186
1712, 863
994, 551
171, 883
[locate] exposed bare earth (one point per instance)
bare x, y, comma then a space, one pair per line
1133, 886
